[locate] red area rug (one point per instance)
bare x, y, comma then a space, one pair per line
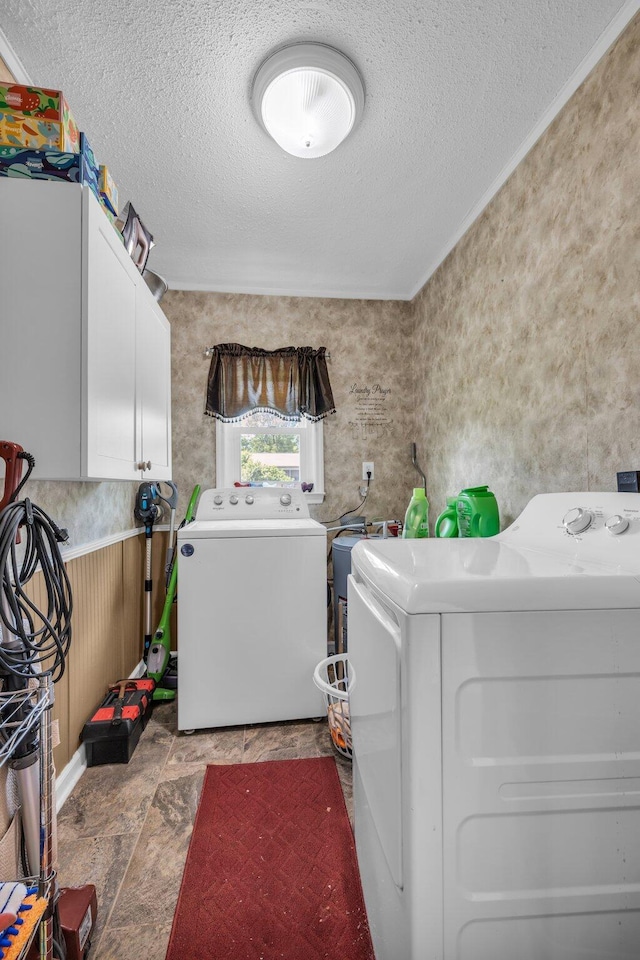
271, 872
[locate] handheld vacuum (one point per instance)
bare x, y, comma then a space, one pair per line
147, 510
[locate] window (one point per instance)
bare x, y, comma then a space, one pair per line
263, 449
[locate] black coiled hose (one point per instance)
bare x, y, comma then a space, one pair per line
33, 638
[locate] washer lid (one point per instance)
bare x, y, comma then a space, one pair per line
468, 576
217, 529
566, 551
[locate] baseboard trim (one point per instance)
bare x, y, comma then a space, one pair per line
70, 775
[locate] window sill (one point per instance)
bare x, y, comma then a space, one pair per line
314, 497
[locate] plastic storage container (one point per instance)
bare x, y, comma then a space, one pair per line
331, 677
341, 561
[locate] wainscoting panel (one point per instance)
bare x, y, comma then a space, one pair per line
60, 711
107, 629
96, 657
133, 560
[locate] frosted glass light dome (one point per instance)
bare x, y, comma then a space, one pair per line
308, 97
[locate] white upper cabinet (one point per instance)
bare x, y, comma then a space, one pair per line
85, 350
153, 387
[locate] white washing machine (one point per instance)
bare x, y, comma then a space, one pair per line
496, 727
252, 609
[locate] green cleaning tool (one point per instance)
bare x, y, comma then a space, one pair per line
161, 666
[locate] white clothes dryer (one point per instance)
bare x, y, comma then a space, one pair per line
495, 713
252, 609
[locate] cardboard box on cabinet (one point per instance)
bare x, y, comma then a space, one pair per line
51, 164
36, 133
43, 104
108, 190
111, 218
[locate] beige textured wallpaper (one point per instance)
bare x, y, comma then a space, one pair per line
89, 511
528, 365
370, 347
524, 372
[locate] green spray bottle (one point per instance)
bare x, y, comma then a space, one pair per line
416, 520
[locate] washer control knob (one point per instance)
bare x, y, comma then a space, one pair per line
217, 500
233, 499
617, 525
577, 520
248, 499
285, 499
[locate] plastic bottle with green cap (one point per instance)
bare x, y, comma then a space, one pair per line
447, 522
416, 519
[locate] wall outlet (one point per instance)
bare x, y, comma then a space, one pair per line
367, 467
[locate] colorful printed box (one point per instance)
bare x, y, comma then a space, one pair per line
36, 134
110, 216
108, 190
42, 103
51, 164
92, 170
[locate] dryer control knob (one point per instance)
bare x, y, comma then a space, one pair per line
249, 500
285, 499
617, 525
217, 500
577, 520
233, 499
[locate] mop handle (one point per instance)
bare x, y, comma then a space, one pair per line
148, 583
171, 547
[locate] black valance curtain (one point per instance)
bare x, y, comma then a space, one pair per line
292, 382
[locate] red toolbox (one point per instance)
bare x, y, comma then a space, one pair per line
112, 733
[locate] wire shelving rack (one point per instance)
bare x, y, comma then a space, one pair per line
21, 712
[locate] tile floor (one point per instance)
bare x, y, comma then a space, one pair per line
126, 827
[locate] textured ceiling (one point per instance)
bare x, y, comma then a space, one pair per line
455, 94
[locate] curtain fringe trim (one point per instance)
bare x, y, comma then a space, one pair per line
272, 411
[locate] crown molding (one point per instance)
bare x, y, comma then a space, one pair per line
268, 290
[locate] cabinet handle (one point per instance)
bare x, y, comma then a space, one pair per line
144, 465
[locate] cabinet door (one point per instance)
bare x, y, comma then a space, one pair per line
109, 343
153, 378
40, 323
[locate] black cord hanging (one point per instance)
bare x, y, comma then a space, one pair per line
33, 639
353, 509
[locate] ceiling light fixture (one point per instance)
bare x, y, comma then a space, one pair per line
308, 97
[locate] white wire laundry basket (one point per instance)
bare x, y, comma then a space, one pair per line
333, 677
